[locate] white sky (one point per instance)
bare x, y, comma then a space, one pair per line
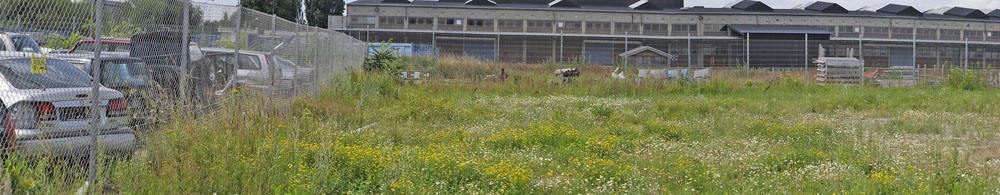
922, 5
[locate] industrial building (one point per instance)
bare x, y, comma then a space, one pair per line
737, 34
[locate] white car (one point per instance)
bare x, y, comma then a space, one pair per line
254, 70
50, 112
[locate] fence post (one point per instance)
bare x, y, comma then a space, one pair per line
966, 63
236, 50
435, 49
806, 67
315, 60
689, 53
748, 55
270, 59
185, 59
95, 97
497, 57
626, 56
561, 46
298, 57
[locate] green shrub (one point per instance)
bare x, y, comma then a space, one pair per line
965, 80
383, 58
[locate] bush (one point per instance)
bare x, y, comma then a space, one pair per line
383, 58
965, 80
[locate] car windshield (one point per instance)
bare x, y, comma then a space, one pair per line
120, 73
25, 44
58, 74
106, 46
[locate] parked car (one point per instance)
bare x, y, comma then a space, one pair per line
254, 70
50, 111
14, 42
161, 51
127, 75
117, 46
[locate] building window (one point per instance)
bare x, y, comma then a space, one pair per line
685, 28
992, 34
510, 23
831, 29
450, 22
391, 20
569, 25
598, 26
713, 27
362, 20
926, 32
950, 33
480, 23
849, 29
421, 21
663, 28
902, 31
877, 30
973, 34
539, 24
626, 27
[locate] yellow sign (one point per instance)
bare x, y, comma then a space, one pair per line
38, 64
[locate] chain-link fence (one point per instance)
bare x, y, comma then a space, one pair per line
99, 79
762, 57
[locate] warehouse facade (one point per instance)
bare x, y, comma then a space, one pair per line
741, 33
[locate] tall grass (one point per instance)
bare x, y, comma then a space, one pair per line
593, 135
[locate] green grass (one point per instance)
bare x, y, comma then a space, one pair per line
590, 136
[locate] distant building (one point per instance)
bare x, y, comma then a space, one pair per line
535, 31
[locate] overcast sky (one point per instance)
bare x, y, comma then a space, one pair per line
922, 5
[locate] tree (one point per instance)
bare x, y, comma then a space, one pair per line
318, 11
284, 9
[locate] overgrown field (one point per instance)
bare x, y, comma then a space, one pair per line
373, 134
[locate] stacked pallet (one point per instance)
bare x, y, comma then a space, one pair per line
839, 70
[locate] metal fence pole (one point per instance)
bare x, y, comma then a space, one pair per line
748, 56
236, 50
689, 53
185, 59
966, 56
626, 62
315, 60
497, 52
270, 67
434, 56
561, 46
298, 57
806, 62
95, 98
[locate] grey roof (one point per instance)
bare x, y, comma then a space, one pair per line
775, 29
994, 14
747, 5
887, 11
826, 7
903, 10
645, 48
966, 12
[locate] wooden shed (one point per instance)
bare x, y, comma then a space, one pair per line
647, 56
